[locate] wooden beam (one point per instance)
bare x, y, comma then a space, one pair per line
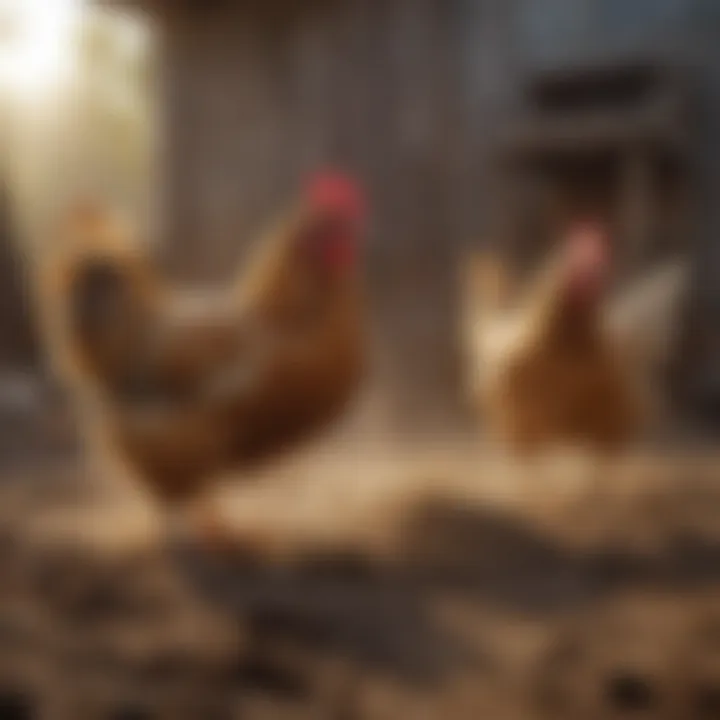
636, 205
659, 126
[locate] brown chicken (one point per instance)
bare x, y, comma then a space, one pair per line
556, 366
189, 384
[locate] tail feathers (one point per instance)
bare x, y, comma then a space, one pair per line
486, 292
91, 281
89, 228
645, 318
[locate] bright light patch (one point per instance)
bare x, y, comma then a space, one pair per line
36, 44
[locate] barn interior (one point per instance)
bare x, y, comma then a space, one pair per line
398, 566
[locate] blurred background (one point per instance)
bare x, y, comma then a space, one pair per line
392, 573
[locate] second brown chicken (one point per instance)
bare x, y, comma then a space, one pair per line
552, 365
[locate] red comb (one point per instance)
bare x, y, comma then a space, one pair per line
336, 191
587, 255
588, 237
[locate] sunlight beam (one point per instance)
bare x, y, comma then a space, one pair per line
36, 44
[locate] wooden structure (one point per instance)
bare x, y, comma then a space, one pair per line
410, 95
608, 139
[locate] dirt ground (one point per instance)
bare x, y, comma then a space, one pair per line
418, 582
